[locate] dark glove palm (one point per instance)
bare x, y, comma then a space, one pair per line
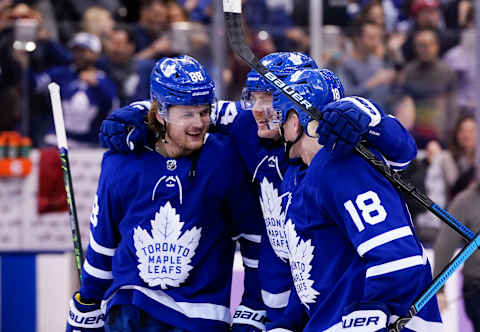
124, 130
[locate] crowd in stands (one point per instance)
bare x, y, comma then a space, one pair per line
415, 58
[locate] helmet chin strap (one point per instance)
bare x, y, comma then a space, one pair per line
290, 144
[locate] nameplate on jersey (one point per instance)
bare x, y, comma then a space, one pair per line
164, 255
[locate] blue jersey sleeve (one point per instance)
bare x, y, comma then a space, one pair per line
104, 237
394, 142
375, 219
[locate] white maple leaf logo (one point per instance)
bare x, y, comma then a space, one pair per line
165, 256
301, 255
95, 210
274, 217
169, 69
295, 58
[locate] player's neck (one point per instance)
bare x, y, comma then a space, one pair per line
169, 149
306, 148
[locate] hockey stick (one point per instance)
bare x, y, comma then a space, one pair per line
436, 284
233, 22
67, 177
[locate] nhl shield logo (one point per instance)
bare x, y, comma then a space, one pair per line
171, 164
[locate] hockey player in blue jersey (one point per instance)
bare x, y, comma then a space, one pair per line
355, 260
264, 154
165, 220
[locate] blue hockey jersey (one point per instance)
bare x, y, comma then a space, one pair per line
163, 239
351, 240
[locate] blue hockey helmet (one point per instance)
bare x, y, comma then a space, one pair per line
318, 86
180, 81
281, 64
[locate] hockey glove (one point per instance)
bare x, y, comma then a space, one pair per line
84, 317
124, 130
346, 121
248, 320
365, 317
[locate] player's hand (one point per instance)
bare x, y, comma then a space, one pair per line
84, 316
345, 122
365, 317
89, 76
248, 320
124, 130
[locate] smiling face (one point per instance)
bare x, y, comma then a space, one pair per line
186, 127
264, 114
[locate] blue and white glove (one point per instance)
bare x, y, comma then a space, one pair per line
124, 130
346, 121
84, 317
248, 320
365, 317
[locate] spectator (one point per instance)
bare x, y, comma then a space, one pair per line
363, 72
276, 18
465, 208
427, 15
87, 94
432, 84
123, 69
69, 14
151, 32
98, 21
458, 162
461, 59
198, 10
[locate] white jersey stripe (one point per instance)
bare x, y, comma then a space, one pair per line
250, 237
275, 300
393, 266
101, 249
191, 310
251, 263
97, 273
383, 238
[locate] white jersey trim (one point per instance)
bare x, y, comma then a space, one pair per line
191, 310
250, 237
99, 249
276, 301
97, 273
280, 330
393, 266
251, 263
260, 164
383, 238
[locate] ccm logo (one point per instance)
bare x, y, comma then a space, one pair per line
288, 90
245, 314
361, 321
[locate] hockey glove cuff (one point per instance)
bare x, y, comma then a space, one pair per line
365, 317
84, 316
248, 320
